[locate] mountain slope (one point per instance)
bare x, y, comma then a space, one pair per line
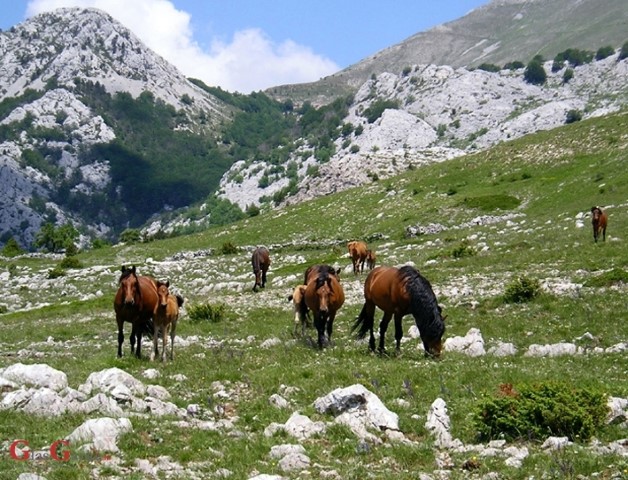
499, 32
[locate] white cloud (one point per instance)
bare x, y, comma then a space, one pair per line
251, 61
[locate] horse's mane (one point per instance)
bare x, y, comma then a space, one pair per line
423, 303
126, 272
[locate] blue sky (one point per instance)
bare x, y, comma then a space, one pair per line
249, 45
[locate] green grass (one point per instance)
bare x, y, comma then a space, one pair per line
557, 176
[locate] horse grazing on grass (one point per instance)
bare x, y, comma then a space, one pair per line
398, 292
135, 302
165, 319
358, 252
370, 259
301, 312
599, 220
260, 261
324, 296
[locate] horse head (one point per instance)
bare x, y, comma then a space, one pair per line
433, 343
323, 292
129, 284
163, 292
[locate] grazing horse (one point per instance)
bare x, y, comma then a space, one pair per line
324, 296
398, 292
370, 259
301, 312
165, 319
357, 252
260, 261
135, 302
599, 219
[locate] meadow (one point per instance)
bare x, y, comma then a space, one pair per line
520, 209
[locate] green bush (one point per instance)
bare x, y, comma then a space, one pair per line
573, 116
130, 235
70, 262
463, 250
229, 248
56, 272
375, 110
568, 75
604, 52
522, 289
623, 53
616, 276
11, 248
535, 73
539, 411
207, 312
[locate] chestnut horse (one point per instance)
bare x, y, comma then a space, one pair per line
135, 302
398, 292
260, 261
165, 320
599, 219
324, 296
358, 252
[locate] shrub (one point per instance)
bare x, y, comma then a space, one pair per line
535, 73
604, 52
130, 235
539, 411
616, 276
70, 262
375, 110
229, 248
463, 250
56, 272
623, 53
354, 148
514, 65
207, 312
489, 67
573, 116
522, 289
568, 75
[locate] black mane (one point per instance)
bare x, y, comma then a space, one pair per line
423, 303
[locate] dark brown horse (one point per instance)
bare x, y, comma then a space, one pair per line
324, 296
358, 252
371, 258
599, 219
398, 292
135, 303
260, 261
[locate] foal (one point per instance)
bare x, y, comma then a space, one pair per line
165, 319
301, 312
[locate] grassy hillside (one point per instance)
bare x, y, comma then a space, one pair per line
520, 209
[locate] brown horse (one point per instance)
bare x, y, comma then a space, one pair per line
324, 296
165, 319
398, 292
599, 219
370, 259
135, 302
260, 261
357, 252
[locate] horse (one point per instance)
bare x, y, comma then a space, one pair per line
357, 252
165, 319
599, 219
301, 312
135, 302
370, 259
324, 296
260, 261
398, 292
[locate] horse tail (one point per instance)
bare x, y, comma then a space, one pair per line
179, 300
290, 297
148, 328
364, 322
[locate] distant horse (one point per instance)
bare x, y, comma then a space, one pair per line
398, 292
599, 219
260, 261
370, 259
301, 312
165, 319
135, 302
357, 252
324, 296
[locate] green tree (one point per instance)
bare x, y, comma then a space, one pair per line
535, 73
568, 75
53, 239
11, 248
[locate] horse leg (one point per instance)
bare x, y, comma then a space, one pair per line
398, 331
165, 331
172, 332
604, 234
330, 325
383, 326
138, 350
120, 336
263, 278
155, 351
320, 320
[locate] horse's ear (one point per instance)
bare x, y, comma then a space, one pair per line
123, 268
167, 283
